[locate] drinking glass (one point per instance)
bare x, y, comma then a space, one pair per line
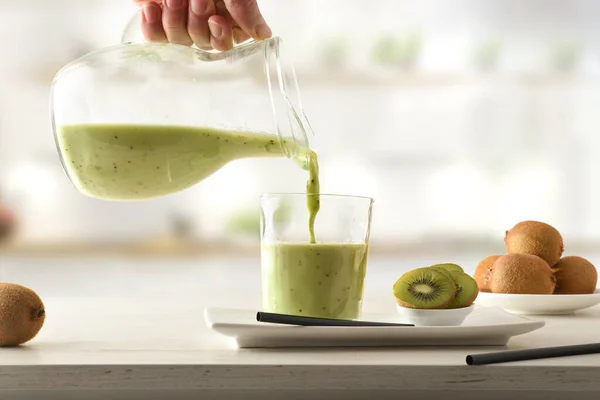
321, 279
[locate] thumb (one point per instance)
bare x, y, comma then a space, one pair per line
248, 17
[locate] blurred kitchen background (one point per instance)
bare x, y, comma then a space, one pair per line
460, 118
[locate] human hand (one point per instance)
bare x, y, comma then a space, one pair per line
209, 24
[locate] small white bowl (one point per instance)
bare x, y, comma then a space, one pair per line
440, 317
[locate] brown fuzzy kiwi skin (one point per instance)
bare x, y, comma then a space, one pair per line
22, 314
404, 304
522, 274
536, 238
483, 272
575, 275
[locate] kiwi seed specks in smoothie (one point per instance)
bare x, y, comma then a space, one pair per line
314, 279
136, 162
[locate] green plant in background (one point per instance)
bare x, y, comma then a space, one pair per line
392, 51
282, 213
246, 221
565, 55
385, 50
487, 54
333, 53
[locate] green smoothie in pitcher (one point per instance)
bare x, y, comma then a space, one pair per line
137, 162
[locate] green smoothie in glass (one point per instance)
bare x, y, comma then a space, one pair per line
314, 279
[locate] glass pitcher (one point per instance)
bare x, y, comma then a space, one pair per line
143, 120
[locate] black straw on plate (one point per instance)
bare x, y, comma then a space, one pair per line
310, 321
533, 354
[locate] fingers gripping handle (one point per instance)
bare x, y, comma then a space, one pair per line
132, 33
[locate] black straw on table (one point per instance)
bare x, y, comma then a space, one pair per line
310, 321
533, 354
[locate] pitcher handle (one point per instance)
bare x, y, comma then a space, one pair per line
132, 32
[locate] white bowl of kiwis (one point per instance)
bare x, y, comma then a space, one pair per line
534, 276
439, 295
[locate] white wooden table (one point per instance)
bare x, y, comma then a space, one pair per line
153, 344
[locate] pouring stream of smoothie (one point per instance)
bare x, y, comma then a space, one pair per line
313, 201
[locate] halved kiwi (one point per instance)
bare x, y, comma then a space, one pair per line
442, 270
449, 267
466, 290
424, 288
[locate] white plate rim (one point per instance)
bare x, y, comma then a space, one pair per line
520, 321
554, 297
250, 334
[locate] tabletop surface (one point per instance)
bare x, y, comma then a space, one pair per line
161, 341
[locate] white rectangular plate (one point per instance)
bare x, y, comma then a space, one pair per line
484, 327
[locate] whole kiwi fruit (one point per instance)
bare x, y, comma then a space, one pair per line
522, 274
22, 314
575, 275
536, 238
424, 288
483, 272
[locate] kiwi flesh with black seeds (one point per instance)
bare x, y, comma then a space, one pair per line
424, 288
466, 290
449, 267
442, 270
